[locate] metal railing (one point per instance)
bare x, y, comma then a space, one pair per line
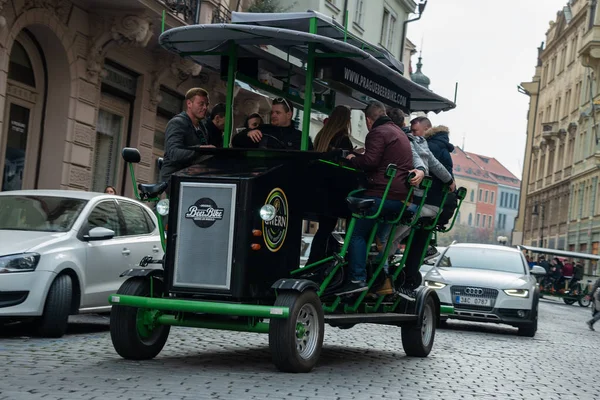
221, 15
188, 10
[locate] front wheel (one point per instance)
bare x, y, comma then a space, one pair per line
417, 341
529, 329
134, 332
53, 323
296, 342
584, 301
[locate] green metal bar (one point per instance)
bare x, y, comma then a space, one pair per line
331, 308
308, 87
446, 310
164, 16
260, 327
208, 307
337, 165
161, 232
133, 180
231, 68
311, 266
346, 25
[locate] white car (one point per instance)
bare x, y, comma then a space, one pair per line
487, 283
61, 253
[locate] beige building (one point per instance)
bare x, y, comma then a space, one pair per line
81, 79
560, 175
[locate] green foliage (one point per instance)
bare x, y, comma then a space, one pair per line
267, 6
467, 234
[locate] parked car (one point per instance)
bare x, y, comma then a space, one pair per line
487, 283
428, 264
61, 253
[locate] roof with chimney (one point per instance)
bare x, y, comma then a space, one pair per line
483, 168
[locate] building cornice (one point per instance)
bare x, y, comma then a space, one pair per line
574, 25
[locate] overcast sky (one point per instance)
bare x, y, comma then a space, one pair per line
488, 47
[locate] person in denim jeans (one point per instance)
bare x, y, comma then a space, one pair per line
385, 144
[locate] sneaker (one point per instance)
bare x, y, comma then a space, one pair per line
431, 253
407, 294
385, 288
590, 325
352, 287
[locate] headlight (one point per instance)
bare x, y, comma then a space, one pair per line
517, 292
24, 262
435, 285
267, 212
162, 207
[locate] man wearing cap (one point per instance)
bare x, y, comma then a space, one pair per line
279, 134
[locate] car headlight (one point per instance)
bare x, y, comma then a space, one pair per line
517, 292
435, 285
24, 262
162, 207
268, 212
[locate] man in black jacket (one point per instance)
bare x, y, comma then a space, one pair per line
279, 134
215, 125
183, 131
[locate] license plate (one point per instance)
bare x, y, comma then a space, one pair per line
475, 301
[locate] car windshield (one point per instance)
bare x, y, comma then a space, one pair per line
482, 258
39, 213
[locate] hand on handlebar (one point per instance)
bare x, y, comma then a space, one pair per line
419, 175
350, 156
452, 187
255, 135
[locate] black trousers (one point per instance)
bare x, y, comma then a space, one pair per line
318, 248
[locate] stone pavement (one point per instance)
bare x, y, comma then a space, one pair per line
367, 362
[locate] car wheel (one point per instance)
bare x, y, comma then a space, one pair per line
134, 332
529, 329
54, 321
417, 341
296, 342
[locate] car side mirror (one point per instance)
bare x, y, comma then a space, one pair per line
99, 233
537, 270
131, 155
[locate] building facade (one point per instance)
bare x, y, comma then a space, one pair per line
561, 205
79, 80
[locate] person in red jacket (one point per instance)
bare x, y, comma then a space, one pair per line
385, 144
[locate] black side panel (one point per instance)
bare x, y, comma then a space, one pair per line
299, 285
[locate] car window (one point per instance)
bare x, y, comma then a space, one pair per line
105, 215
39, 213
135, 219
483, 258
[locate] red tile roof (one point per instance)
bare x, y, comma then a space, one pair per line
467, 167
500, 173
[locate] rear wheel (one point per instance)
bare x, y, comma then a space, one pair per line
569, 301
417, 341
54, 322
134, 332
296, 342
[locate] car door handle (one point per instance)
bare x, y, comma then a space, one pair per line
126, 252
155, 249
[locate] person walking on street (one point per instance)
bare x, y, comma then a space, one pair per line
594, 296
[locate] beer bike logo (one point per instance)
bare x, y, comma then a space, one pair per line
275, 230
204, 213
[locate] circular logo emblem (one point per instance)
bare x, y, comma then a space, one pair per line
274, 231
204, 213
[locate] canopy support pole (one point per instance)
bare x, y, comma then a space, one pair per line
231, 67
308, 88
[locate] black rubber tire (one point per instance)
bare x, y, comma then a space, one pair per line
569, 301
283, 334
54, 321
443, 324
413, 341
529, 329
123, 324
583, 302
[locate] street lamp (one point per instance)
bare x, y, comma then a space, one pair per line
539, 210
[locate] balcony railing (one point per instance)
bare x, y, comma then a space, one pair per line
550, 130
221, 15
188, 10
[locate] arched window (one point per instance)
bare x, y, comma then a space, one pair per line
20, 68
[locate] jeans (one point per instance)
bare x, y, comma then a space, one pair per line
358, 242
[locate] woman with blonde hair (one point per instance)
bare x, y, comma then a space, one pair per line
335, 134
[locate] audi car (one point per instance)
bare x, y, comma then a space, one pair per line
487, 283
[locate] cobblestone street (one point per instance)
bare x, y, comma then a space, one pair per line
366, 362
